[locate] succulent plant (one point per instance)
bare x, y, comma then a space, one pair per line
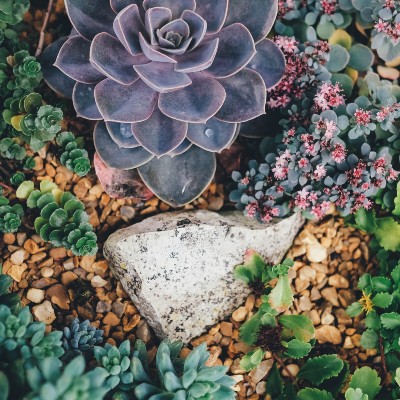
17, 178
48, 380
73, 156
63, 220
386, 33
11, 149
162, 77
12, 11
117, 361
11, 300
81, 336
10, 216
195, 381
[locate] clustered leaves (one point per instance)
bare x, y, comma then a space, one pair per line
81, 337
10, 216
73, 155
63, 221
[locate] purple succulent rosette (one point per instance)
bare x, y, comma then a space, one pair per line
168, 79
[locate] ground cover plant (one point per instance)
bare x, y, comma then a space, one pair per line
300, 99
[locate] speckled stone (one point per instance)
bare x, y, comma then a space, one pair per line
178, 267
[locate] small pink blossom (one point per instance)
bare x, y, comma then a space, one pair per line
319, 172
339, 153
362, 117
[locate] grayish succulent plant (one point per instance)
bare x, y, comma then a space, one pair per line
163, 76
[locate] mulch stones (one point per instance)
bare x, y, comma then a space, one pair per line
58, 286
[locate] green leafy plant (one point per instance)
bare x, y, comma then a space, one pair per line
63, 220
267, 330
10, 216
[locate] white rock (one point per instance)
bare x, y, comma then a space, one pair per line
98, 282
18, 257
44, 312
35, 295
178, 267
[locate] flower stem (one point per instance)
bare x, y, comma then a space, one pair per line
290, 375
43, 30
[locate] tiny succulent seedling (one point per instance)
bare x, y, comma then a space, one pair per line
81, 336
73, 156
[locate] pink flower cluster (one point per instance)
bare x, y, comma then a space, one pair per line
300, 74
362, 117
329, 96
329, 7
390, 28
386, 111
266, 212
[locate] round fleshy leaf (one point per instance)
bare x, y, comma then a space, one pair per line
156, 18
195, 103
152, 53
73, 60
57, 80
162, 77
339, 58
114, 156
236, 48
176, 180
122, 135
199, 59
258, 17
119, 5
197, 25
245, 97
212, 136
269, 62
184, 146
160, 134
214, 12
361, 57
127, 26
84, 102
177, 7
110, 57
90, 17
125, 103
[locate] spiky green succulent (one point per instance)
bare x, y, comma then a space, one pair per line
194, 381
10, 216
117, 361
73, 156
48, 380
81, 336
